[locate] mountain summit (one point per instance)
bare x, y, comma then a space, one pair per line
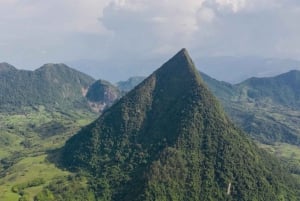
52, 85
169, 139
5, 67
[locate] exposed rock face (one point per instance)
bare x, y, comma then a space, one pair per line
102, 94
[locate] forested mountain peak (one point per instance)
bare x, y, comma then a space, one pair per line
292, 77
64, 72
169, 139
282, 89
51, 85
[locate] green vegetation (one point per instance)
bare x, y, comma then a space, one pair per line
27, 177
39, 129
68, 188
52, 85
266, 108
288, 154
166, 140
169, 139
26, 138
283, 89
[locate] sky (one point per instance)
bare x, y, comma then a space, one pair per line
136, 36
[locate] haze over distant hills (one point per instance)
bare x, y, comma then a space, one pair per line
238, 69
229, 69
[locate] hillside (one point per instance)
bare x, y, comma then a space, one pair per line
39, 111
266, 108
52, 85
282, 89
169, 139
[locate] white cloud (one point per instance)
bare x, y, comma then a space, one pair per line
164, 26
34, 31
62, 28
161, 25
235, 5
57, 15
205, 14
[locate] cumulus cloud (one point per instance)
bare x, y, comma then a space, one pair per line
234, 5
155, 23
35, 31
57, 15
211, 27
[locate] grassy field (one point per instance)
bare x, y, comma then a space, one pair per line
26, 170
25, 140
285, 151
288, 154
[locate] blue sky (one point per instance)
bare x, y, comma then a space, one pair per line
34, 32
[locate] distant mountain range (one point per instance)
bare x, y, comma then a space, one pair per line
224, 68
237, 69
282, 89
169, 139
266, 108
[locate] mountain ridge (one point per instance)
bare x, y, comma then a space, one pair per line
169, 139
54, 86
283, 89
254, 113
6, 67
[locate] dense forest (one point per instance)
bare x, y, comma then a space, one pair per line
169, 139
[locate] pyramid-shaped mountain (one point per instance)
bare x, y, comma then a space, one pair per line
169, 139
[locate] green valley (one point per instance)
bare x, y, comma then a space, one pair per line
26, 140
169, 139
150, 144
